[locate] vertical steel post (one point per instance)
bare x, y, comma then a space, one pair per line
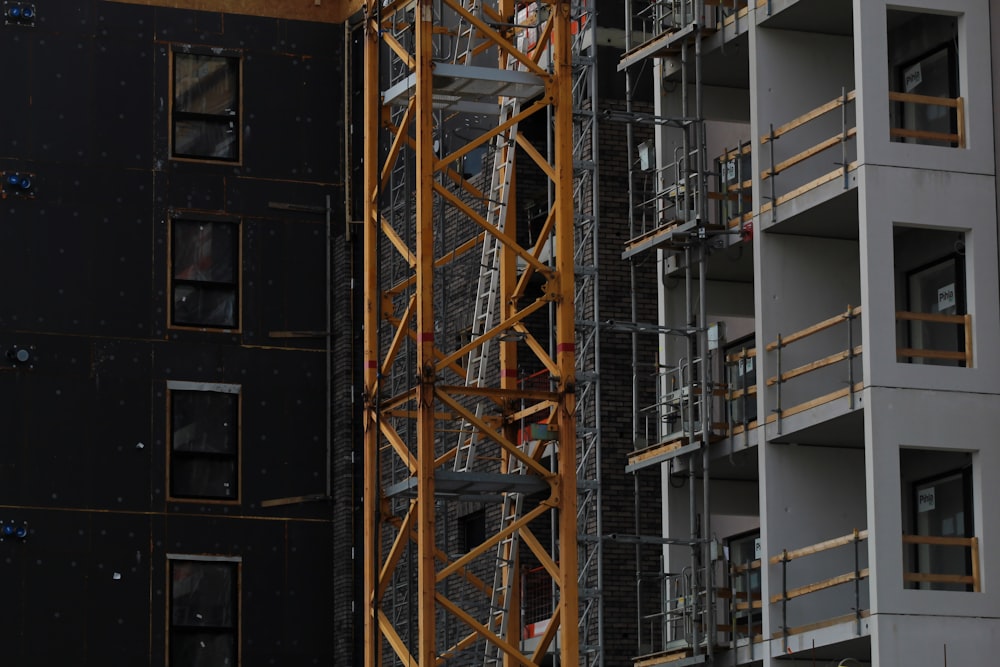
843, 136
426, 371
850, 356
784, 600
770, 145
857, 581
777, 386
370, 498
566, 495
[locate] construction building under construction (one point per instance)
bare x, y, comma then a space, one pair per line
482, 332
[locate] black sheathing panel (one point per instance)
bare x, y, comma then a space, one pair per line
16, 107
85, 265
286, 264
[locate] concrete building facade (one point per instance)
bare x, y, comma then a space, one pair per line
844, 260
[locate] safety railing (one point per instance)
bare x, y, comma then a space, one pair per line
745, 603
735, 188
741, 390
789, 594
847, 133
963, 355
845, 356
678, 620
955, 139
971, 543
676, 416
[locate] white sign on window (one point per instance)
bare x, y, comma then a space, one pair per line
946, 297
912, 77
756, 549
925, 499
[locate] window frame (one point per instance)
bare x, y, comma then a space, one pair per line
237, 629
182, 386
172, 282
232, 54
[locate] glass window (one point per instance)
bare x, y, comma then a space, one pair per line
206, 107
204, 612
205, 273
938, 522
933, 327
204, 441
924, 78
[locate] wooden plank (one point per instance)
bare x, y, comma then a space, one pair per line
815, 328
903, 133
815, 365
938, 541
820, 546
820, 586
656, 450
930, 317
742, 354
808, 116
928, 578
751, 390
746, 606
930, 354
801, 629
832, 176
806, 154
960, 113
736, 430
808, 405
663, 658
913, 98
968, 340
975, 565
752, 565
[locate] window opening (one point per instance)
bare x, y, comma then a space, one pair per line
938, 490
205, 273
933, 324
924, 79
206, 105
204, 612
204, 441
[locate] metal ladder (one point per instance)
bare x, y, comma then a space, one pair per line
485, 315
504, 572
465, 41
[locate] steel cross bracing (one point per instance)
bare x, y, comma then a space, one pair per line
423, 219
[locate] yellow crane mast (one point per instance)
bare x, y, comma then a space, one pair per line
417, 391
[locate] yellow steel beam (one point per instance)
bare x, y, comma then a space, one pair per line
569, 599
371, 490
426, 373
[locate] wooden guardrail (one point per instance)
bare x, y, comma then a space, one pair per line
840, 139
787, 594
971, 543
847, 355
923, 353
956, 103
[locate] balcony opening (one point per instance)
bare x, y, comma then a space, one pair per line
933, 324
926, 100
940, 548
